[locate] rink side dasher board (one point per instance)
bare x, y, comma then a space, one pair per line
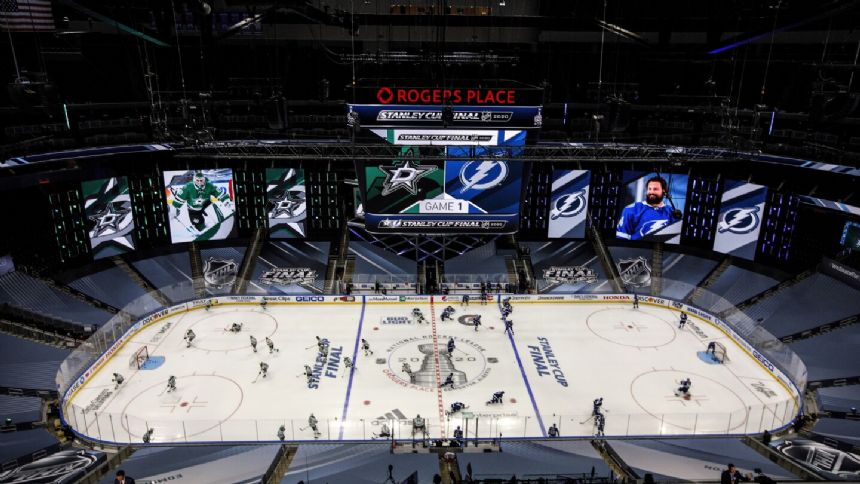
157, 316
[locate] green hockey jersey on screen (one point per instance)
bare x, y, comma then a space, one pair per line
197, 199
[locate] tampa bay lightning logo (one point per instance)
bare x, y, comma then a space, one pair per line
652, 226
568, 205
739, 220
481, 175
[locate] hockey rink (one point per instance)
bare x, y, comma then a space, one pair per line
562, 355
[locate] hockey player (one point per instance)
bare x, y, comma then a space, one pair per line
365, 346
347, 363
641, 219
509, 326
171, 384
147, 437
598, 402
599, 424
322, 347
263, 304
271, 345
418, 315
418, 425
189, 337
483, 294
447, 313
497, 398
553, 430
264, 368
456, 407
477, 321
505, 312
684, 388
683, 321
458, 435
506, 303
449, 381
197, 196
465, 300
281, 435
384, 432
450, 345
312, 423
118, 379
635, 301
208, 305
254, 343
236, 327
712, 348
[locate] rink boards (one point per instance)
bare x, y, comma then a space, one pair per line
566, 350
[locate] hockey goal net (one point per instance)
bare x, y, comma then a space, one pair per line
138, 359
720, 353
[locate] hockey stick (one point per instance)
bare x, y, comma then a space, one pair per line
586, 420
257, 377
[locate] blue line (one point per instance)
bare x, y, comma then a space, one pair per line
523, 373
352, 370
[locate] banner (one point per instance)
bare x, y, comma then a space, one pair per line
739, 224
285, 202
109, 217
569, 204
200, 204
410, 116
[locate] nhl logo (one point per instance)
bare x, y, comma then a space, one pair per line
634, 272
219, 273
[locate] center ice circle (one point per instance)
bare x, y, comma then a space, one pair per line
199, 404
213, 335
467, 363
630, 327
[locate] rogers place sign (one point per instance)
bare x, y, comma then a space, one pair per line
398, 95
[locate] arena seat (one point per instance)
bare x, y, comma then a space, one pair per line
359, 464
374, 263
20, 409
682, 272
225, 464
830, 355
536, 458
685, 460
21, 290
171, 273
114, 287
17, 448
733, 286
839, 399
284, 254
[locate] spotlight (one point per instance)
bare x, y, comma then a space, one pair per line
501, 3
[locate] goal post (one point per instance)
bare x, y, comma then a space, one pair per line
720, 353
138, 358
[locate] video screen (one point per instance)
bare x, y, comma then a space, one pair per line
200, 204
286, 205
654, 207
109, 218
739, 223
851, 235
568, 204
457, 196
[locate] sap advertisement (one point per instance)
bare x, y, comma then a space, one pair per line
458, 196
200, 204
568, 204
654, 207
109, 218
741, 212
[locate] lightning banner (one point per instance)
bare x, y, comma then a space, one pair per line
568, 204
741, 212
109, 218
459, 196
285, 199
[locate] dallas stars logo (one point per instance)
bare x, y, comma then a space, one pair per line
109, 218
404, 177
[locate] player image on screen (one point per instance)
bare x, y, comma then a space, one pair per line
641, 219
200, 204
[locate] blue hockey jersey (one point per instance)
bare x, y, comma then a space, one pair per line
640, 219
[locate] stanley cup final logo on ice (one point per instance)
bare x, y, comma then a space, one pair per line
219, 273
569, 274
412, 363
635, 272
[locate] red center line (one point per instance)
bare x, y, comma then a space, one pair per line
438, 374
